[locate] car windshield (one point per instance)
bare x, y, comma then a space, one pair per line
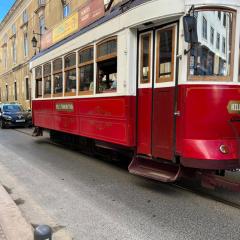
12, 108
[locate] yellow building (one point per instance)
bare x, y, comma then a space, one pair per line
25, 20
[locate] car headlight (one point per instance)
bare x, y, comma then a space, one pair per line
7, 117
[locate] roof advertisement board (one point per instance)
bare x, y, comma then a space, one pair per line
86, 14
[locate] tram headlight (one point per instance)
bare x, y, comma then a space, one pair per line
224, 149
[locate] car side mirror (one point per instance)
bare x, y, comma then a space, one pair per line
190, 29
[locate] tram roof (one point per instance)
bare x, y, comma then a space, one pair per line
126, 6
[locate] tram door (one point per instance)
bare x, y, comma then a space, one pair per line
156, 89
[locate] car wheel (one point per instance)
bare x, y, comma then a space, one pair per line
2, 125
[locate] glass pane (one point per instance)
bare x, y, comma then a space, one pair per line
47, 85
86, 78
212, 57
70, 60
86, 55
38, 72
47, 69
145, 58
106, 48
165, 50
57, 65
58, 83
70, 81
107, 76
38, 88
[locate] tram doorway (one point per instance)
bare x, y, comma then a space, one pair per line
156, 92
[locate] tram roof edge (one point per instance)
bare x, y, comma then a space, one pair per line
235, 3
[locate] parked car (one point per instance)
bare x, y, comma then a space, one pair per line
12, 115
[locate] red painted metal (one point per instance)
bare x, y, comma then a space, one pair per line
107, 119
144, 121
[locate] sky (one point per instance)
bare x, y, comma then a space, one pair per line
5, 5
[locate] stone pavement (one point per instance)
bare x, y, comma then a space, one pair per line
13, 226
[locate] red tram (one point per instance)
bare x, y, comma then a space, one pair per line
158, 80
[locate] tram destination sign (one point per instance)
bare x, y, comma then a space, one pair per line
88, 12
234, 107
66, 107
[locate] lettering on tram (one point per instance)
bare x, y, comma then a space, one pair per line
68, 107
234, 107
70, 75
47, 80
107, 66
38, 76
57, 78
86, 71
211, 58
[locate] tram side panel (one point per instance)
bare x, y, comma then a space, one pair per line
205, 125
110, 119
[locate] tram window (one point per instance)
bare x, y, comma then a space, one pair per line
57, 78
165, 55
86, 71
38, 76
145, 64
212, 63
47, 79
70, 75
107, 66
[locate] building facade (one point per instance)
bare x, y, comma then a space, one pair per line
27, 19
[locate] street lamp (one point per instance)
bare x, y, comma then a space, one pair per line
34, 42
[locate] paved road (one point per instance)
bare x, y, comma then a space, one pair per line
97, 200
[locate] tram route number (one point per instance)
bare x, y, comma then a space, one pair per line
68, 107
234, 107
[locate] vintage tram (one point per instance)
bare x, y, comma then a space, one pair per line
156, 79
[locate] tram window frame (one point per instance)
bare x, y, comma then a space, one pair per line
217, 78
162, 79
47, 76
69, 69
38, 79
57, 71
103, 59
143, 81
84, 64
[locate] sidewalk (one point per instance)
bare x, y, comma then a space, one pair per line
13, 225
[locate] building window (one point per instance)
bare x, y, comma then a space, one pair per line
165, 55
15, 91
27, 88
6, 92
66, 10
41, 24
57, 78
25, 16
219, 15
5, 57
14, 30
107, 66
14, 50
218, 41
47, 80
204, 28
145, 60
41, 2
224, 45
224, 19
25, 43
212, 35
70, 75
38, 76
86, 71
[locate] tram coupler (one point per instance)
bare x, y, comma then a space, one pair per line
38, 131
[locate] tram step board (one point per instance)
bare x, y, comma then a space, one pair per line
154, 170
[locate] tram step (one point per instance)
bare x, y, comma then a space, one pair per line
154, 170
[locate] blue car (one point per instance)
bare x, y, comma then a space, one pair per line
13, 115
